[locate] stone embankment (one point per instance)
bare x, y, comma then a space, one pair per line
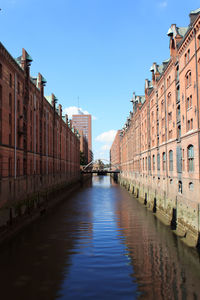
181, 216
16, 215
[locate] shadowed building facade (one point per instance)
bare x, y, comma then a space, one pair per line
38, 147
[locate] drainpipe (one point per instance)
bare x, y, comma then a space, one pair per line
15, 155
166, 132
197, 87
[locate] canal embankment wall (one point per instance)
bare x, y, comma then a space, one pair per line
180, 213
17, 214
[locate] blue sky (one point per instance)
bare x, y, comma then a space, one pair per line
93, 53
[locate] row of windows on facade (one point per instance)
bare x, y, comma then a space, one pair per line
22, 166
180, 160
10, 80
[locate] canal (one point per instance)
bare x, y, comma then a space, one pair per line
98, 244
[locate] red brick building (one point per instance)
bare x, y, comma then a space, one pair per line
159, 144
38, 148
84, 124
115, 152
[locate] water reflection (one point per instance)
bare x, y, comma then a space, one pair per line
98, 244
163, 267
34, 264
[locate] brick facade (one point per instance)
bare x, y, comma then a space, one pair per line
38, 148
159, 145
115, 152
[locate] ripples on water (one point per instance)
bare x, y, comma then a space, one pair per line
99, 244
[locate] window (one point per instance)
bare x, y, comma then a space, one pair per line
10, 101
171, 160
18, 88
162, 105
18, 167
0, 113
10, 166
180, 187
191, 123
188, 80
170, 116
177, 73
188, 125
149, 163
0, 166
188, 54
178, 94
0, 71
163, 122
190, 158
179, 131
191, 186
158, 162
169, 99
185, 58
10, 80
164, 161
170, 134
154, 162
190, 101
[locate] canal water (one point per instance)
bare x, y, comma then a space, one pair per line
98, 244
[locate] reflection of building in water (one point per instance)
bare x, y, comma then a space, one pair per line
163, 267
41, 268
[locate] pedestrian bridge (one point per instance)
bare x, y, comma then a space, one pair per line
97, 167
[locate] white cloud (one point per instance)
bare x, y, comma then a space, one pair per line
105, 147
74, 110
162, 4
106, 137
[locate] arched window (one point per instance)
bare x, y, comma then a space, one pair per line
180, 187
191, 186
169, 98
190, 158
154, 162
170, 160
188, 78
164, 161
158, 162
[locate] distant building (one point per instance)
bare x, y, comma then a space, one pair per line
84, 124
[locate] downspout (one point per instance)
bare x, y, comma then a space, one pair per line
196, 63
15, 153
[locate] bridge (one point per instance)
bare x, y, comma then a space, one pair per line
97, 167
